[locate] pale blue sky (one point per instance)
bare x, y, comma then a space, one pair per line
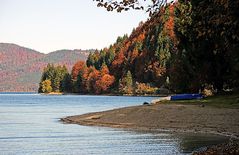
49, 25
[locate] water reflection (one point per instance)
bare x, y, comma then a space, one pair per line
181, 143
190, 142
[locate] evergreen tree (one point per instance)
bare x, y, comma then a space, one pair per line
102, 59
55, 75
66, 84
79, 82
110, 55
129, 79
90, 60
126, 84
59, 74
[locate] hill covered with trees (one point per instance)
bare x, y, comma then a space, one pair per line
21, 68
185, 46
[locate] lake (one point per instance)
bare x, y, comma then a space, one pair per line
29, 124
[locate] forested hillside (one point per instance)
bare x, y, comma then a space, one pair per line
187, 46
21, 68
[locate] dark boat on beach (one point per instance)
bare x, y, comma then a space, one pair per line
186, 96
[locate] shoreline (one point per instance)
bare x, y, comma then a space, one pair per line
172, 118
216, 116
165, 117
109, 94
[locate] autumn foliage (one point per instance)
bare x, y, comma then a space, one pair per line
183, 47
91, 80
103, 83
79, 66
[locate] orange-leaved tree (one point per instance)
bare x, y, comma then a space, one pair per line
93, 76
105, 80
80, 65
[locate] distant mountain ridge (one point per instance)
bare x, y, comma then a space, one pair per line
21, 67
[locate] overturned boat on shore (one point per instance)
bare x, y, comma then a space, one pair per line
178, 97
186, 97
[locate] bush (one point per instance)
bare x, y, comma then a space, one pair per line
142, 88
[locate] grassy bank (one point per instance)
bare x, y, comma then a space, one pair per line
219, 101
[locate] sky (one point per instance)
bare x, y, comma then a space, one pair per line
49, 25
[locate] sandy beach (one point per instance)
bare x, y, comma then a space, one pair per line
189, 118
171, 117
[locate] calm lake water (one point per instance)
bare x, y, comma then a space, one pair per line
29, 124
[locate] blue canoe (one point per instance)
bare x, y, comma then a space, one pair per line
186, 97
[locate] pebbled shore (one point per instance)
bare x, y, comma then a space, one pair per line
230, 148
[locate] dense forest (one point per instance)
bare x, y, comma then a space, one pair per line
186, 46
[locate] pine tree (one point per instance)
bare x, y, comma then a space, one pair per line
126, 84
79, 82
55, 75
66, 84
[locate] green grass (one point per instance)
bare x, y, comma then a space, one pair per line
220, 101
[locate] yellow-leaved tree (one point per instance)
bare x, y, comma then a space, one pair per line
46, 86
